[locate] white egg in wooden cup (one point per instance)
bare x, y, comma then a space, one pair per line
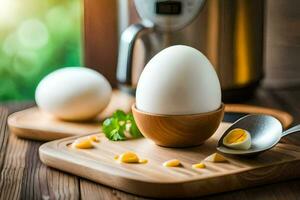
178, 98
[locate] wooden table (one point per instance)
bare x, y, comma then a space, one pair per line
23, 176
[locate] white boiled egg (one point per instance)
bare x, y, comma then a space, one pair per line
238, 139
178, 80
73, 93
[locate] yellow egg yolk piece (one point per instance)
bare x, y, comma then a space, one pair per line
94, 138
83, 143
236, 136
143, 161
130, 157
172, 163
199, 166
86, 142
238, 139
215, 157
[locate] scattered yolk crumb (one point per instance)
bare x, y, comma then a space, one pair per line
94, 138
215, 158
143, 161
236, 136
199, 165
83, 143
130, 157
172, 163
86, 142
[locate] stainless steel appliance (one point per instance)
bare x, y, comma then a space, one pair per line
228, 32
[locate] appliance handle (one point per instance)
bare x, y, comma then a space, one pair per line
126, 49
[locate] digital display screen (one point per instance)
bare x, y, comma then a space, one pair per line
168, 8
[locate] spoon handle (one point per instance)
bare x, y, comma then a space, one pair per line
291, 130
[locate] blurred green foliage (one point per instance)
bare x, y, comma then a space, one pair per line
36, 37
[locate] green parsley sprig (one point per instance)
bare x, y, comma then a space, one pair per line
120, 123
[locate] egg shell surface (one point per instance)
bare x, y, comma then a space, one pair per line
179, 80
73, 93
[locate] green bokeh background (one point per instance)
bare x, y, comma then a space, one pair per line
36, 37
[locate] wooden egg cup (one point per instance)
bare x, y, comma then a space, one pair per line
178, 130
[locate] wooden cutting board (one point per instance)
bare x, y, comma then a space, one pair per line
33, 124
154, 180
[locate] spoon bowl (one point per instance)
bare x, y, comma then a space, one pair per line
265, 131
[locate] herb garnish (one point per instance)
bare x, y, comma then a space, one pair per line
119, 125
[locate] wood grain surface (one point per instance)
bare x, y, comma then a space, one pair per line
154, 180
42, 182
101, 37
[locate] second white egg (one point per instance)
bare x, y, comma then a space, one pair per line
73, 93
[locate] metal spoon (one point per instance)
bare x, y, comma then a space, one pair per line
265, 131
